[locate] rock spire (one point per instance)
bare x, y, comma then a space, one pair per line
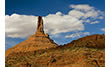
40, 27
35, 42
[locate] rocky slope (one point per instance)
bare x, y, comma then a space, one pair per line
94, 41
61, 56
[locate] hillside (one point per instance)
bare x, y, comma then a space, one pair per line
92, 41
61, 56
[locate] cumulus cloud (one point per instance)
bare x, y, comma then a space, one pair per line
78, 34
19, 25
85, 12
76, 13
25, 25
59, 23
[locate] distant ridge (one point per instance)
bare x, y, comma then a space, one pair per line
91, 41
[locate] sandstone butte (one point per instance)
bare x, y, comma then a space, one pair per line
39, 40
40, 51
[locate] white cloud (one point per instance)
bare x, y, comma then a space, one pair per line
76, 13
102, 29
82, 7
94, 22
78, 34
85, 11
73, 35
19, 25
25, 25
55, 24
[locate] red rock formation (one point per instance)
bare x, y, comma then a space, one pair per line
40, 28
39, 40
84, 52
78, 53
40, 25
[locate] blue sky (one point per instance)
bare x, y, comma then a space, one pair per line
44, 7
47, 7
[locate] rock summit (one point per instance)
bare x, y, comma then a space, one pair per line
38, 41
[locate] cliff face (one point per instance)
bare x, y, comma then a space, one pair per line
39, 40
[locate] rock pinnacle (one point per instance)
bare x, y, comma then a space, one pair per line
40, 25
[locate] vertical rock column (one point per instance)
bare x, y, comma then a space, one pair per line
40, 27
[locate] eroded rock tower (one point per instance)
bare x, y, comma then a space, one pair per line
38, 41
